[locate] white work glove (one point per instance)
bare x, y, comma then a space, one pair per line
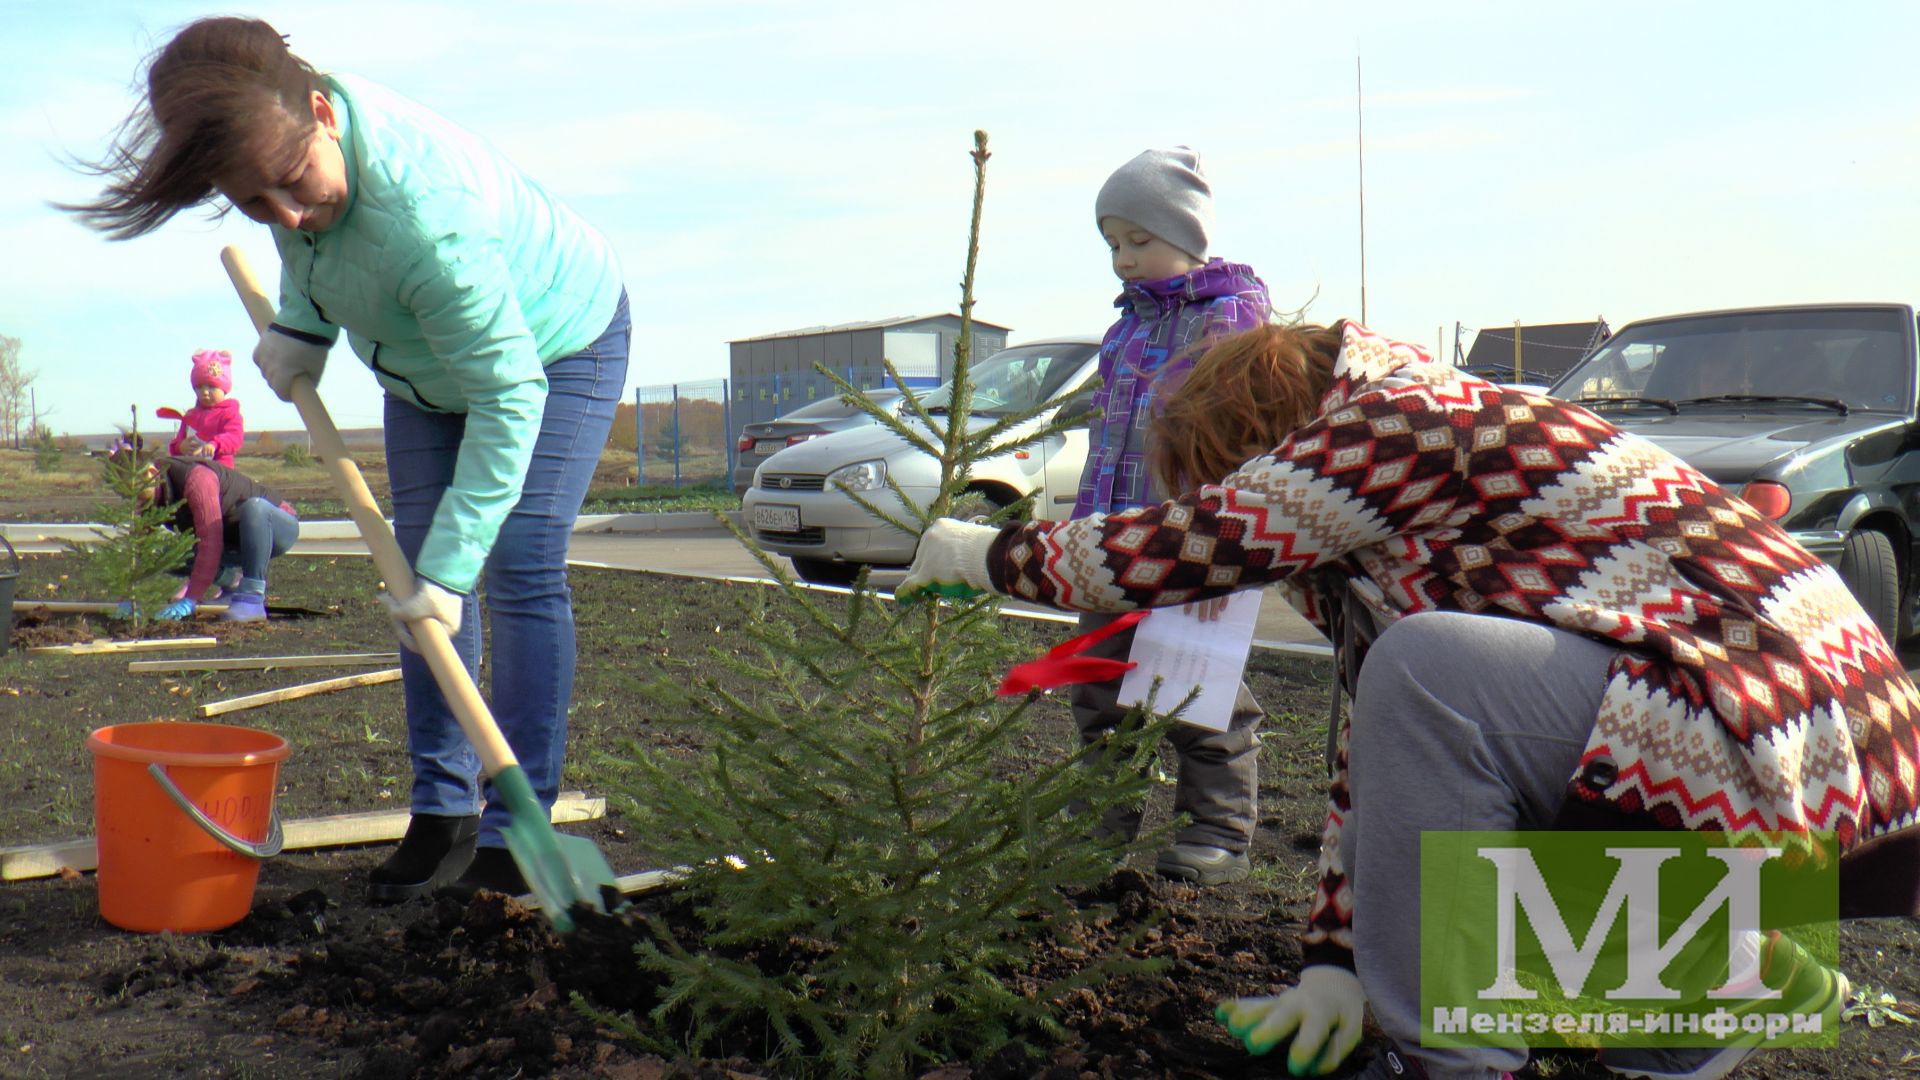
1323, 1014
429, 601
282, 357
951, 562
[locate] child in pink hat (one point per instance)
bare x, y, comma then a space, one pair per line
212, 429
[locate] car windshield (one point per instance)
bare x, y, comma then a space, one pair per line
1014, 380
1859, 356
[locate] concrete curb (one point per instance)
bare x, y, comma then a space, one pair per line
679, 521
1315, 650
53, 532
669, 521
631, 524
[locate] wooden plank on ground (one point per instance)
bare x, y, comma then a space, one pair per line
99, 607
650, 881
339, 830
336, 830
146, 645
262, 663
628, 884
64, 607
294, 693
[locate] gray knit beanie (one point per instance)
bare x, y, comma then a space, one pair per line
1165, 193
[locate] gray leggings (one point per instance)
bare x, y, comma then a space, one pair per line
1461, 722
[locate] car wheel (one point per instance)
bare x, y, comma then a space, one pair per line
1870, 570
826, 571
979, 506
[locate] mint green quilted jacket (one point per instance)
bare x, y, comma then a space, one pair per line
456, 279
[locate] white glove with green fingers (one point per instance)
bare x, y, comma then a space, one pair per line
429, 601
282, 358
951, 562
1323, 1014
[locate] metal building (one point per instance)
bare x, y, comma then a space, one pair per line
1540, 352
774, 374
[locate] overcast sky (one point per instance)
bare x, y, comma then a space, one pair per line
774, 165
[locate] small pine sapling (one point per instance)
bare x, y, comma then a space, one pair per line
47, 451
136, 549
872, 852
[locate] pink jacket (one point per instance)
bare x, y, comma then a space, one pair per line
219, 425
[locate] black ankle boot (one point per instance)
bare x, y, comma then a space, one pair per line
436, 850
492, 869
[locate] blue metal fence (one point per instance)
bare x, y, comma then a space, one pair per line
681, 432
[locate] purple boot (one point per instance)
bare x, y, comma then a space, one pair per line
247, 605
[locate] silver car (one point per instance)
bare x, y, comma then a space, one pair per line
796, 506
760, 441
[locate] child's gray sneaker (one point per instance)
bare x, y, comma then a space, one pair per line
1393, 1063
1808, 987
1202, 864
1674, 1062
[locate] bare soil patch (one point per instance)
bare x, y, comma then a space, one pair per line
315, 983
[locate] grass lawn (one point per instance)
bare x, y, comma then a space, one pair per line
69, 490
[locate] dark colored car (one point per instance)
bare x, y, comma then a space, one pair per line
1808, 412
760, 441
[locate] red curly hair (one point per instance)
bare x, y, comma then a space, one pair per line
1242, 398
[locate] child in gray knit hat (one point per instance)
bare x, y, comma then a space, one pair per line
1163, 194
1156, 213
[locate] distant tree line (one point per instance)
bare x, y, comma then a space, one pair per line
19, 417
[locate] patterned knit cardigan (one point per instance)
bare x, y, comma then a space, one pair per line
1751, 692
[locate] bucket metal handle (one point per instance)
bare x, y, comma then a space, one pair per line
263, 849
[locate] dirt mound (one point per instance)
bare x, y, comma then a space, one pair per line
486, 988
32, 629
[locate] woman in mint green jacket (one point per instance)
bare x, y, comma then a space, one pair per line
494, 318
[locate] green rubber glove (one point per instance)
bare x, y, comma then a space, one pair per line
177, 610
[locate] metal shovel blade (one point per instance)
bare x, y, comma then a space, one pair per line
561, 871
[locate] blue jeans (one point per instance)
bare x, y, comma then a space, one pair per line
529, 605
263, 532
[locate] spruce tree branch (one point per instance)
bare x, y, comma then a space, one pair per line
983, 444
870, 507
886, 418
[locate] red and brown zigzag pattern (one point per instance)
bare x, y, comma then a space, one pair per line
1442, 492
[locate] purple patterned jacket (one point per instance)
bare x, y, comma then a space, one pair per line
1163, 327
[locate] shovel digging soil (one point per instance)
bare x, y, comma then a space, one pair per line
561, 870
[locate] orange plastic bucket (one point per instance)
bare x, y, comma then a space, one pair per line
183, 814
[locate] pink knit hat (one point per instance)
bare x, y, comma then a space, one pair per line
213, 367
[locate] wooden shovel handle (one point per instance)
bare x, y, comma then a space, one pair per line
469, 708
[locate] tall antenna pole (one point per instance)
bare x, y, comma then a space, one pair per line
1360, 131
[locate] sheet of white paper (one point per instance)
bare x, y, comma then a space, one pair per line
1184, 652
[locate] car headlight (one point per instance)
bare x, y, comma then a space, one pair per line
860, 476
